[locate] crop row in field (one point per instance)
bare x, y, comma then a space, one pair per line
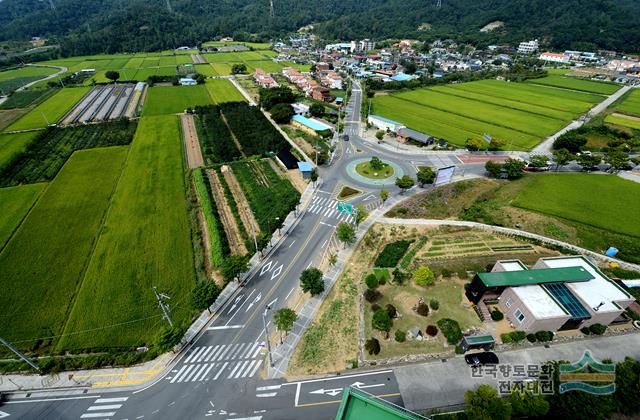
574, 83
163, 100
270, 196
605, 201
630, 104
145, 242
25, 98
44, 261
15, 202
49, 111
222, 90
215, 139
217, 239
240, 56
623, 120
47, 153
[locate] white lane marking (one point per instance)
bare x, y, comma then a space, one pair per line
241, 366
95, 415
110, 400
204, 375
237, 351
249, 351
104, 407
255, 353
266, 267
220, 371
240, 307
198, 372
215, 351
237, 365
196, 352
178, 374
294, 241
221, 355
312, 208
230, 349
327, 224
249, 368
334, 213
310, 262
380, 372
255, 369
272, 302
268, 388
51, 399
289, 294
225, 327
276, 272
267, 395
327, 211
245, 418
184, 374
204, 354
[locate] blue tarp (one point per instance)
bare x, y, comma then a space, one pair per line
304, 166
611, 252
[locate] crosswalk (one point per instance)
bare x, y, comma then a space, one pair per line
224, 361
328, 207
104, 408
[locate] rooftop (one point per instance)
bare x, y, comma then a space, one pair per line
538, 276
311, 123
479, 339
377, 117
539, 301
361, 405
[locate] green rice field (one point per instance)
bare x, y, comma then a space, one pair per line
51, 110
15, 203
222, 90
163, 100
623, 120
44, 261
518, 113
603, 201
630, 104
13, 144
145, 242
574, 83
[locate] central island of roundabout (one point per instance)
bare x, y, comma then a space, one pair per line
374, 171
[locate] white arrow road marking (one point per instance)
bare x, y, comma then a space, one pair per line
256, 300
361, 385
235, 303
3, 414
276, 272
369, 197
266, 267
270, 304
322, 391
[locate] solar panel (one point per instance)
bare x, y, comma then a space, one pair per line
561, 292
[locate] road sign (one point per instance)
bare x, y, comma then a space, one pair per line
345, 207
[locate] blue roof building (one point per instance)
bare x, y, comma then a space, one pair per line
401, 77
310, 123
305, 169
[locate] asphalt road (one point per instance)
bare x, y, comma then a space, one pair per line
219, 375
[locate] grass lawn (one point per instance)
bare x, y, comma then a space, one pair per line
574, 83
624, 120
146, 242
50, 110
604, 201
44, 261
13, 144
15, 202
367, 171
163, 100
222, 90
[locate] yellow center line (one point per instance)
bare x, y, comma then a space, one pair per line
397, 394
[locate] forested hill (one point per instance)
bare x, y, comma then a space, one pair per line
90, 26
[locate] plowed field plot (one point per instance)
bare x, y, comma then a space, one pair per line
246, 215
191, 144
234, 237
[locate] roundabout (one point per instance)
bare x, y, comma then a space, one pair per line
378, 173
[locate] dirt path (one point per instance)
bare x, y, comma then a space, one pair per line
246, 215
233, 136
226, 216
198, 59
191, 143
629, 117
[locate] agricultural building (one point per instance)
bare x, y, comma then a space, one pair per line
384, 123
309, 125
406, 134
557, 293
187, 81
305, 169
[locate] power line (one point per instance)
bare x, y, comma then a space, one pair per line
164, 306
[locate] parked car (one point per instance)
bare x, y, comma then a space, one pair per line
529, 168
345, 137
480, 359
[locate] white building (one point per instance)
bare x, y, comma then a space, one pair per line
554, 58
528, 47
384, 123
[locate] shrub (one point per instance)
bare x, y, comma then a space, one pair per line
372, 295
597, 329
381, 320
372, 346
532, 338
450, 329
392, 253
585, 330
423, 309
434, 304
544, 336
506, 338
375, 307
391, 310
431, 330
423, 276
401, 336
459, 349
372, 281
518, 336
496, 315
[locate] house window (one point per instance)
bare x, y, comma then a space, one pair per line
519, 315
508, 302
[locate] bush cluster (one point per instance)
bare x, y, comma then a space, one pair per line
513, 336
401, 336
392, 253
431, 330
451, 330
496, 315
423, 309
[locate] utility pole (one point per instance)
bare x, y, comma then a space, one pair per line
163, 305
266, 334
20, 355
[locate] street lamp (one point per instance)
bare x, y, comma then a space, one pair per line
266, 333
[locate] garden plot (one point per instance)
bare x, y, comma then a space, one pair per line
236, 242
107, 102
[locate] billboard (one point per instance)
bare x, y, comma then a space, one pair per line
445, 175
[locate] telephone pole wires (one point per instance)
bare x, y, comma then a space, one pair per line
164, 306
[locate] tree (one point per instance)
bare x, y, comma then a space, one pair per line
379, 135
372, 345
361, 213
314, 175
284, 319
571, 141
282, 113
562, 157
617, 159
200, 79
410, 67
346, 233
239, 69
539, 161
384, 195
311, 281
588, 161
493, 169
204, 294
376, 164
399, 276
333, 259
526, 404
401, 336
371, 281
316, 110
391, 310
404, 183
112, 75
425, 175
423, 276
514, 168
277, 95
627, 385
496, 144
233, 266
485, 403
381, 320
473, 144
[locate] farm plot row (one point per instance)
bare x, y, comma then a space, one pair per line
162, 100
11, 80
630, 104
574, 83
45, 152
